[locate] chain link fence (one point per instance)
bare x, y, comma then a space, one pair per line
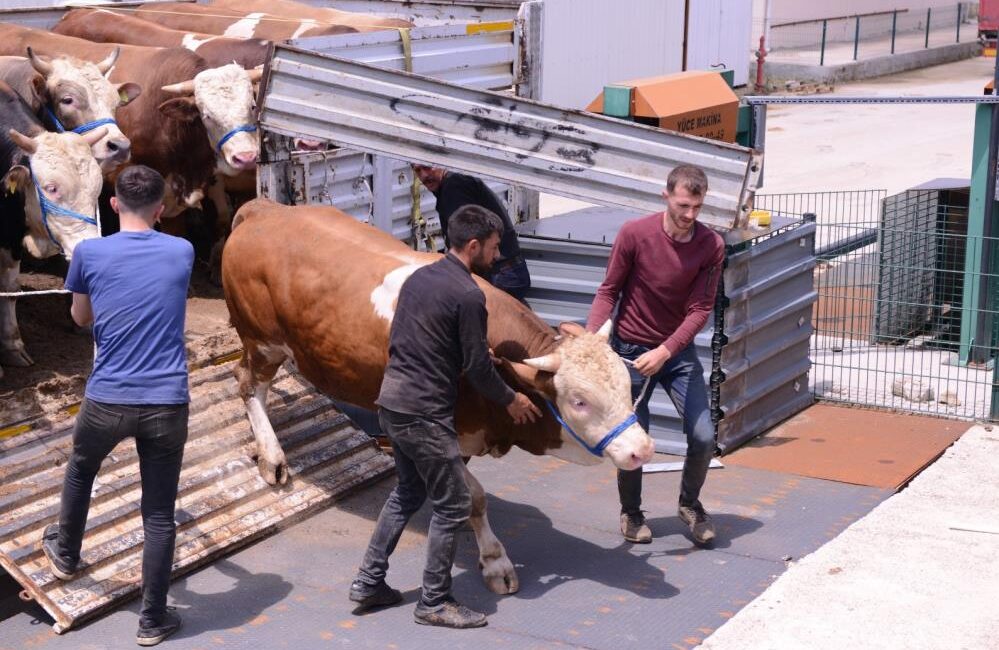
842, 38
906, 316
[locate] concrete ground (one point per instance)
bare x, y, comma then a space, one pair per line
580, 584
920, 571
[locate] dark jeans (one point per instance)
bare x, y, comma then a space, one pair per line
429, 464
513, 278
682, 377
160, 432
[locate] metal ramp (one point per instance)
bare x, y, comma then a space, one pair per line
222, 502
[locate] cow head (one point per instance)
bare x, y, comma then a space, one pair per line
63, 175
223, 99
79, 93
591, 388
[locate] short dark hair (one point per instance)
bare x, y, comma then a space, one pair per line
689, 176
139, 188
472, 222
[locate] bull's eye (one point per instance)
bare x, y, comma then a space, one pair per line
66, 101
578, 403
51, 188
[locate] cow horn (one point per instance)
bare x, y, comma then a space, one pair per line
182, 88
549, 362
44, 68
106, 64
28, 145
256, 74
605, 330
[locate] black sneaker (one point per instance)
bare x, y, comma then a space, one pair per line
147, 636
368, 597
699, 521
61, 568
450, 614
634, 528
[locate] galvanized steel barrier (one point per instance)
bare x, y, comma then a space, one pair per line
526, 143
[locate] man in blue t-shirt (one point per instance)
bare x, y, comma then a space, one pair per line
132, 286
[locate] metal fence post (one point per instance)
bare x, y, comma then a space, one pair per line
822, 51
926, 43
856, 37
958, 23
894, 23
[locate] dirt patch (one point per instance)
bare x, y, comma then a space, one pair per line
63, 353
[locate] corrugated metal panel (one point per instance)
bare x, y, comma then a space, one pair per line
368, 187
222, 503
522, 142
478, 56
766, 326
591, 43
718, 32
755, 349
43, 14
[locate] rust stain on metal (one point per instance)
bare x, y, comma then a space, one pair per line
851, 446
222, 502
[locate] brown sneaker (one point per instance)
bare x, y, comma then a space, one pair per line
699, 521
634, 529
450, 614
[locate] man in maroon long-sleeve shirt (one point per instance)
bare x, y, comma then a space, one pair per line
663, 275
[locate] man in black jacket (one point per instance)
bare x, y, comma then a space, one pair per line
438, 335
454, 190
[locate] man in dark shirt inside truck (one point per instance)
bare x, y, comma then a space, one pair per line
662, 276
454, 190
438, 334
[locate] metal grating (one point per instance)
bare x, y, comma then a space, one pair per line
222, 504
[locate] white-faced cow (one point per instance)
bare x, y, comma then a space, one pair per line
188, 16
104, 26
70, 94
191, 121
315, 287
49, 185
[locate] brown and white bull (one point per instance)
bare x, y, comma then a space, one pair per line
105, 26
49, 185
222, 21
312, 286
68, 93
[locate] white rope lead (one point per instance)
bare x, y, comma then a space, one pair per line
645, 386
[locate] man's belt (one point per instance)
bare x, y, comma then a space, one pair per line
502, 265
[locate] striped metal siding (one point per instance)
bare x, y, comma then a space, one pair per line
222, 502
429, 12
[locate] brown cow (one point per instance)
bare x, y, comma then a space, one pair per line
103, 26
317, 15
184, 112
311, 285
188, 16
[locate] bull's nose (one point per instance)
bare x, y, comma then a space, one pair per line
119, 148
245, 159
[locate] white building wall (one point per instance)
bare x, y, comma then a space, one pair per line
719, 32
591, 43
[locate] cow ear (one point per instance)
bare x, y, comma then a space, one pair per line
39, 93
16, 179
182, 109
127, 92
571, 330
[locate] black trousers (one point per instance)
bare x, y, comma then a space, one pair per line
160, 432
429, 464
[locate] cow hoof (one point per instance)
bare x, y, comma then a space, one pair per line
500, 576
273, 473
15, 358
